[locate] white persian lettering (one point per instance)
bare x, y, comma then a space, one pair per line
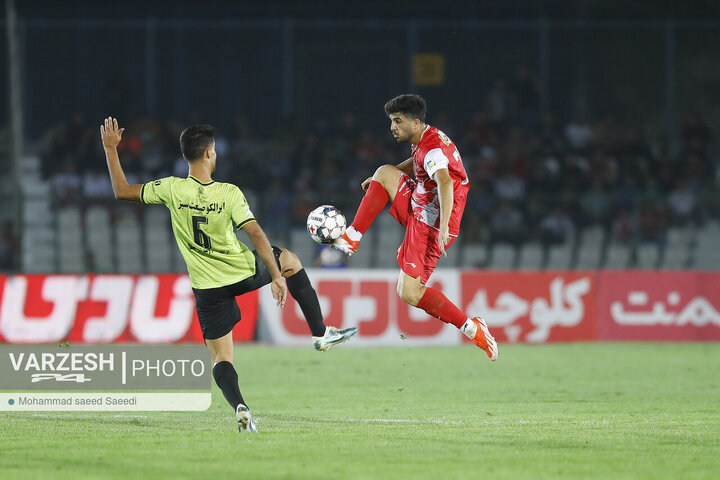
566, 308
147, 327
699, 311
63, 292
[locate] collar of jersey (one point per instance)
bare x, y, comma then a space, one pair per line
427, 127
201, 183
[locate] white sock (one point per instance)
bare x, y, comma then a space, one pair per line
469, 328
354, 235
326, 332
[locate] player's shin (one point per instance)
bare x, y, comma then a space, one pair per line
227, 379
436, 304
303, 292
371, 205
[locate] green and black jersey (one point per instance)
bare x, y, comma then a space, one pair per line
203, 216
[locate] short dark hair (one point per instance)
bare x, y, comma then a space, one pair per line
195, 140
409, 105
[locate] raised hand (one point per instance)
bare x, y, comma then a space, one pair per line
110, 133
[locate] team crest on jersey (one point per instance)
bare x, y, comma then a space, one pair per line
445, 139
201, 194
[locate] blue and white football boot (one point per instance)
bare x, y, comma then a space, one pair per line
245, 420
332, 337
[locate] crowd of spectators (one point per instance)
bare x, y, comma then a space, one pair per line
533, 176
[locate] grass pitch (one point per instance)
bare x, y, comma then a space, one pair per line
549, 411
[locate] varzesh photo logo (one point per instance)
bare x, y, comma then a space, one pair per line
105, 377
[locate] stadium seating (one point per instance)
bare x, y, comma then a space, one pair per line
473, 255
706, 255
130, 249
559, 256
176, 259
70, 236
100, 238
677, 249
38, 230
38, 249
158, 236
531, 256
617, 255
647, 256
502, 257
589, 252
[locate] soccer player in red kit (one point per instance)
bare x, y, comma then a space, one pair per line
430, 207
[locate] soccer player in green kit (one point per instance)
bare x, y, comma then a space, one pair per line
203, 213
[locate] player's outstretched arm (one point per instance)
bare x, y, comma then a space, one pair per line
111, 136
264, 250
445, 192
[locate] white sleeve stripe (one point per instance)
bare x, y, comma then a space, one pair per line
434, 160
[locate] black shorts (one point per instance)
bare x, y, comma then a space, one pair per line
217, 310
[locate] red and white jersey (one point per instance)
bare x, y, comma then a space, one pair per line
436, 151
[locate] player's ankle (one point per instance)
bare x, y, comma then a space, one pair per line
469, 328
353, 234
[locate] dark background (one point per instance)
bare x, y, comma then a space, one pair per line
569, 115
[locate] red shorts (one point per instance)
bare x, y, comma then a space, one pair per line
419, 252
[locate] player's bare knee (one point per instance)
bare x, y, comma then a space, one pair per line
409, 294
290, 263
382, 173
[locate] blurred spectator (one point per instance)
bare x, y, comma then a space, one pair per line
548, 132
67, 184
96, 185
509, 186
683, 203
652, 223
478, 133
145, 148
622, 227
131, 151
276, 211
506, 225
68, 143
603, 171
595, 205
556, 227
579, 132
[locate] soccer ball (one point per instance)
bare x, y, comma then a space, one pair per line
325, 224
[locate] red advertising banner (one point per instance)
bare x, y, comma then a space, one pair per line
368, 300
646, 305
534, 307
107, 309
